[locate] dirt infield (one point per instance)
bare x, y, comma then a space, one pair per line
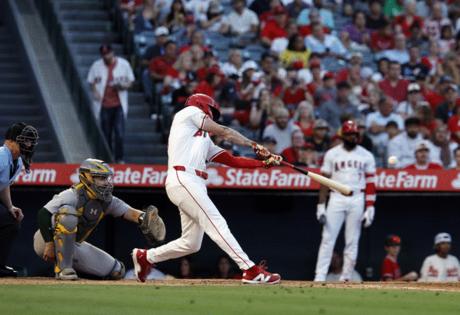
452, 287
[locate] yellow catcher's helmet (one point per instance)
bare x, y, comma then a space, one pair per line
96, 177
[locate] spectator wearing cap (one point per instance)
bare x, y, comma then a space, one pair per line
393, 85
441, 267
156, 50
295, 51
270, 143
304, 118
240, 21
414, 67
357, 30
276, 27
383, 38
326, 15
408, 107
446, 109
422, 158
307, 156
333, 110
375, 18
454, 124
443, 147
212, 19
402, 147
110, 77
404, 21
390, 270
328, 91
324, 44
291, 153
320, 138
281, 130
398, 53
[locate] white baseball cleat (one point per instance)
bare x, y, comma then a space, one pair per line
258, 274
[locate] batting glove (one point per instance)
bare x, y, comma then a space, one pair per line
261, 151
368, 216
321, 213
273, 160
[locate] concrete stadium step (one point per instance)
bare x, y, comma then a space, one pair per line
145, 149
16, 98
10, 67
80, 5
93, 37
153, 137
15, 77
136, 98
138, 112
88, 26
9, 58
12, 87
140, 125
22, 110
85, 15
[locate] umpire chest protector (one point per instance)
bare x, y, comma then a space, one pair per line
90, 212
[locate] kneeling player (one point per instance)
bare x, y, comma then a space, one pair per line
69, 218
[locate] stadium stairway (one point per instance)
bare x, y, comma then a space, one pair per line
19, 100
86, 24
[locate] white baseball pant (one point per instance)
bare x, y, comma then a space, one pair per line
340, 209
198, 215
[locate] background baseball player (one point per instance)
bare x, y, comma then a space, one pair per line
189, 148
350, 164
17, 151
441, 267
69, 218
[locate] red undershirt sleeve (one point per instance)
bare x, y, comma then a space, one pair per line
233, 161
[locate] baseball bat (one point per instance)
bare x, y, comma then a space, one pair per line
341, 188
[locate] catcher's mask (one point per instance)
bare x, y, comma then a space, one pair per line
96, 177
27, 138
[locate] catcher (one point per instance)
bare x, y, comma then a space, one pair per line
68, 219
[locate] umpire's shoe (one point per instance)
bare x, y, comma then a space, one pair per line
142, 267
67, 274
258, 274
6, 271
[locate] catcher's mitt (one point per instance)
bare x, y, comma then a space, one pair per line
152, 226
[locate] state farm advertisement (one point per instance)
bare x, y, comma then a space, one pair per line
154, 176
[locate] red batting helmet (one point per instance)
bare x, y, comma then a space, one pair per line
349, 127
205, 103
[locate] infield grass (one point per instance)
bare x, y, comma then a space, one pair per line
220, 300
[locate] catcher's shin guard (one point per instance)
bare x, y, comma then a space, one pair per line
64, 239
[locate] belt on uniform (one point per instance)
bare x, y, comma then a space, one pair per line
199, 173
354, 192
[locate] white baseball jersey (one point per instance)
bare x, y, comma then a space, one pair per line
438, 269
188, 144
349, 167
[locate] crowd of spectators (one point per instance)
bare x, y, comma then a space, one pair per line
288, 72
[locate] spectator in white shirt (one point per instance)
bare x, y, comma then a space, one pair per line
240, 21
399, 53
324, 44
281, 130
441, 267
401, 149
443, 147
377, 121
110, 77
408, 107
234, 64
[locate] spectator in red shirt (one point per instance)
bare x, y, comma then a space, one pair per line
293, 92
316, 76
291, 154
304, 118
159, 66
454, 124
457, 158
276, 27
422, 158
314, 18
383, 39
211, 83
393, 85
404, 22
307, 156
390, 268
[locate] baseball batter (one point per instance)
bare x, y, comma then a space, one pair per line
189, 148
69, 218
350, 164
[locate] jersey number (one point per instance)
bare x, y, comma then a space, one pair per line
201, 133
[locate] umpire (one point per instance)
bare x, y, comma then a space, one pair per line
16, 152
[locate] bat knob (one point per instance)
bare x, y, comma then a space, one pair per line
349, 194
